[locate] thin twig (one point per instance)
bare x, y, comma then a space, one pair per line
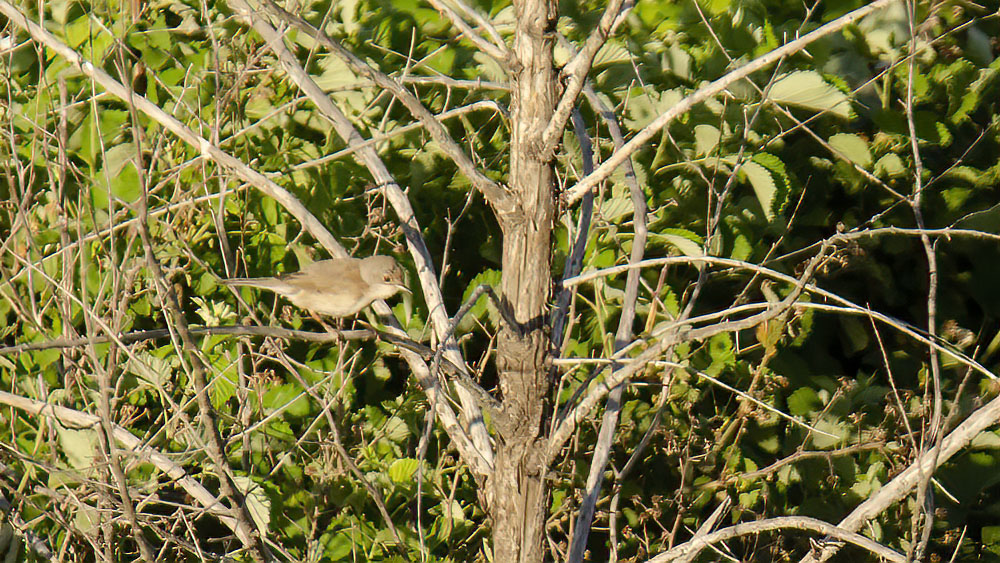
498, 52
477, 453
690, 549
494, 193
639, 139
902, 484
623, 336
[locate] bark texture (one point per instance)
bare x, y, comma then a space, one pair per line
518, 486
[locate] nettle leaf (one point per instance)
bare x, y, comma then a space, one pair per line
258, 503
853, 148
336, 74
79, 446
402, 470
646, 105
804, 401
890, 165
288, 398
488, 68
484, 308
720, 350
706, 138
616, 208
677, 61
762, 172
687, 242
612, 52
395, 429
987, 220
807, 89
87, 519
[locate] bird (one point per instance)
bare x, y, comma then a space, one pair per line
337, 287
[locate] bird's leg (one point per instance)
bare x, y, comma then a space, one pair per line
334, 331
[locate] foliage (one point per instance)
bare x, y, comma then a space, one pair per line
783, 161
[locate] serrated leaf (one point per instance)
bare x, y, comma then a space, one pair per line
87, 519
79, 446
720, 350
763, 186
336, 74
288, 398
987, 220
890, 165
395, 429
683, 240
804, 401
706, 138
644, 106
853, 148
484, 308
677, 61
616, 208
807, 89
402, 470
257, 501
612, 52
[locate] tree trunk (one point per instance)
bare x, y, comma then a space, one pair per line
518, 504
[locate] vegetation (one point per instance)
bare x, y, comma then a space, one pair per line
691, 281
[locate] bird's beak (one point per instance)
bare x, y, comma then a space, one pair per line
402, 287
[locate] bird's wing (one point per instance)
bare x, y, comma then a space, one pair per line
325, 275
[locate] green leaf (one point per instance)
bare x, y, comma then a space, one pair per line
987, 220
288, 397
484, 307
258, 503
396, 430
991, 535
803, 402
612, 52
645, 105
616, 208
87, 519
720, 350
763, 186
688, 243
890, 165
706, 138
853, 148
79, 446
402, 470
807, 89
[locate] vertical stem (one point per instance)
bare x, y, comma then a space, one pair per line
517, 488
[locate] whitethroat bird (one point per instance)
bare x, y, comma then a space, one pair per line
338, 287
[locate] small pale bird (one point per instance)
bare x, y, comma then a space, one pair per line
338, 287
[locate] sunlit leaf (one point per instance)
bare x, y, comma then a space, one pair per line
807, 89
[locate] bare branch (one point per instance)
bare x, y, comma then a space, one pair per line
576, 70
574, 262
609, 423
673, 335
901, 485
846, 304
215, 446
607, 168
482, 104
494, 193
208, 150
692, 548
76, 419
480, 458
498, 49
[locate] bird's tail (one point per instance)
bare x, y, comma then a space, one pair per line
264, 283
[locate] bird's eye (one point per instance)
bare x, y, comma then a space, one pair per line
387, 278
